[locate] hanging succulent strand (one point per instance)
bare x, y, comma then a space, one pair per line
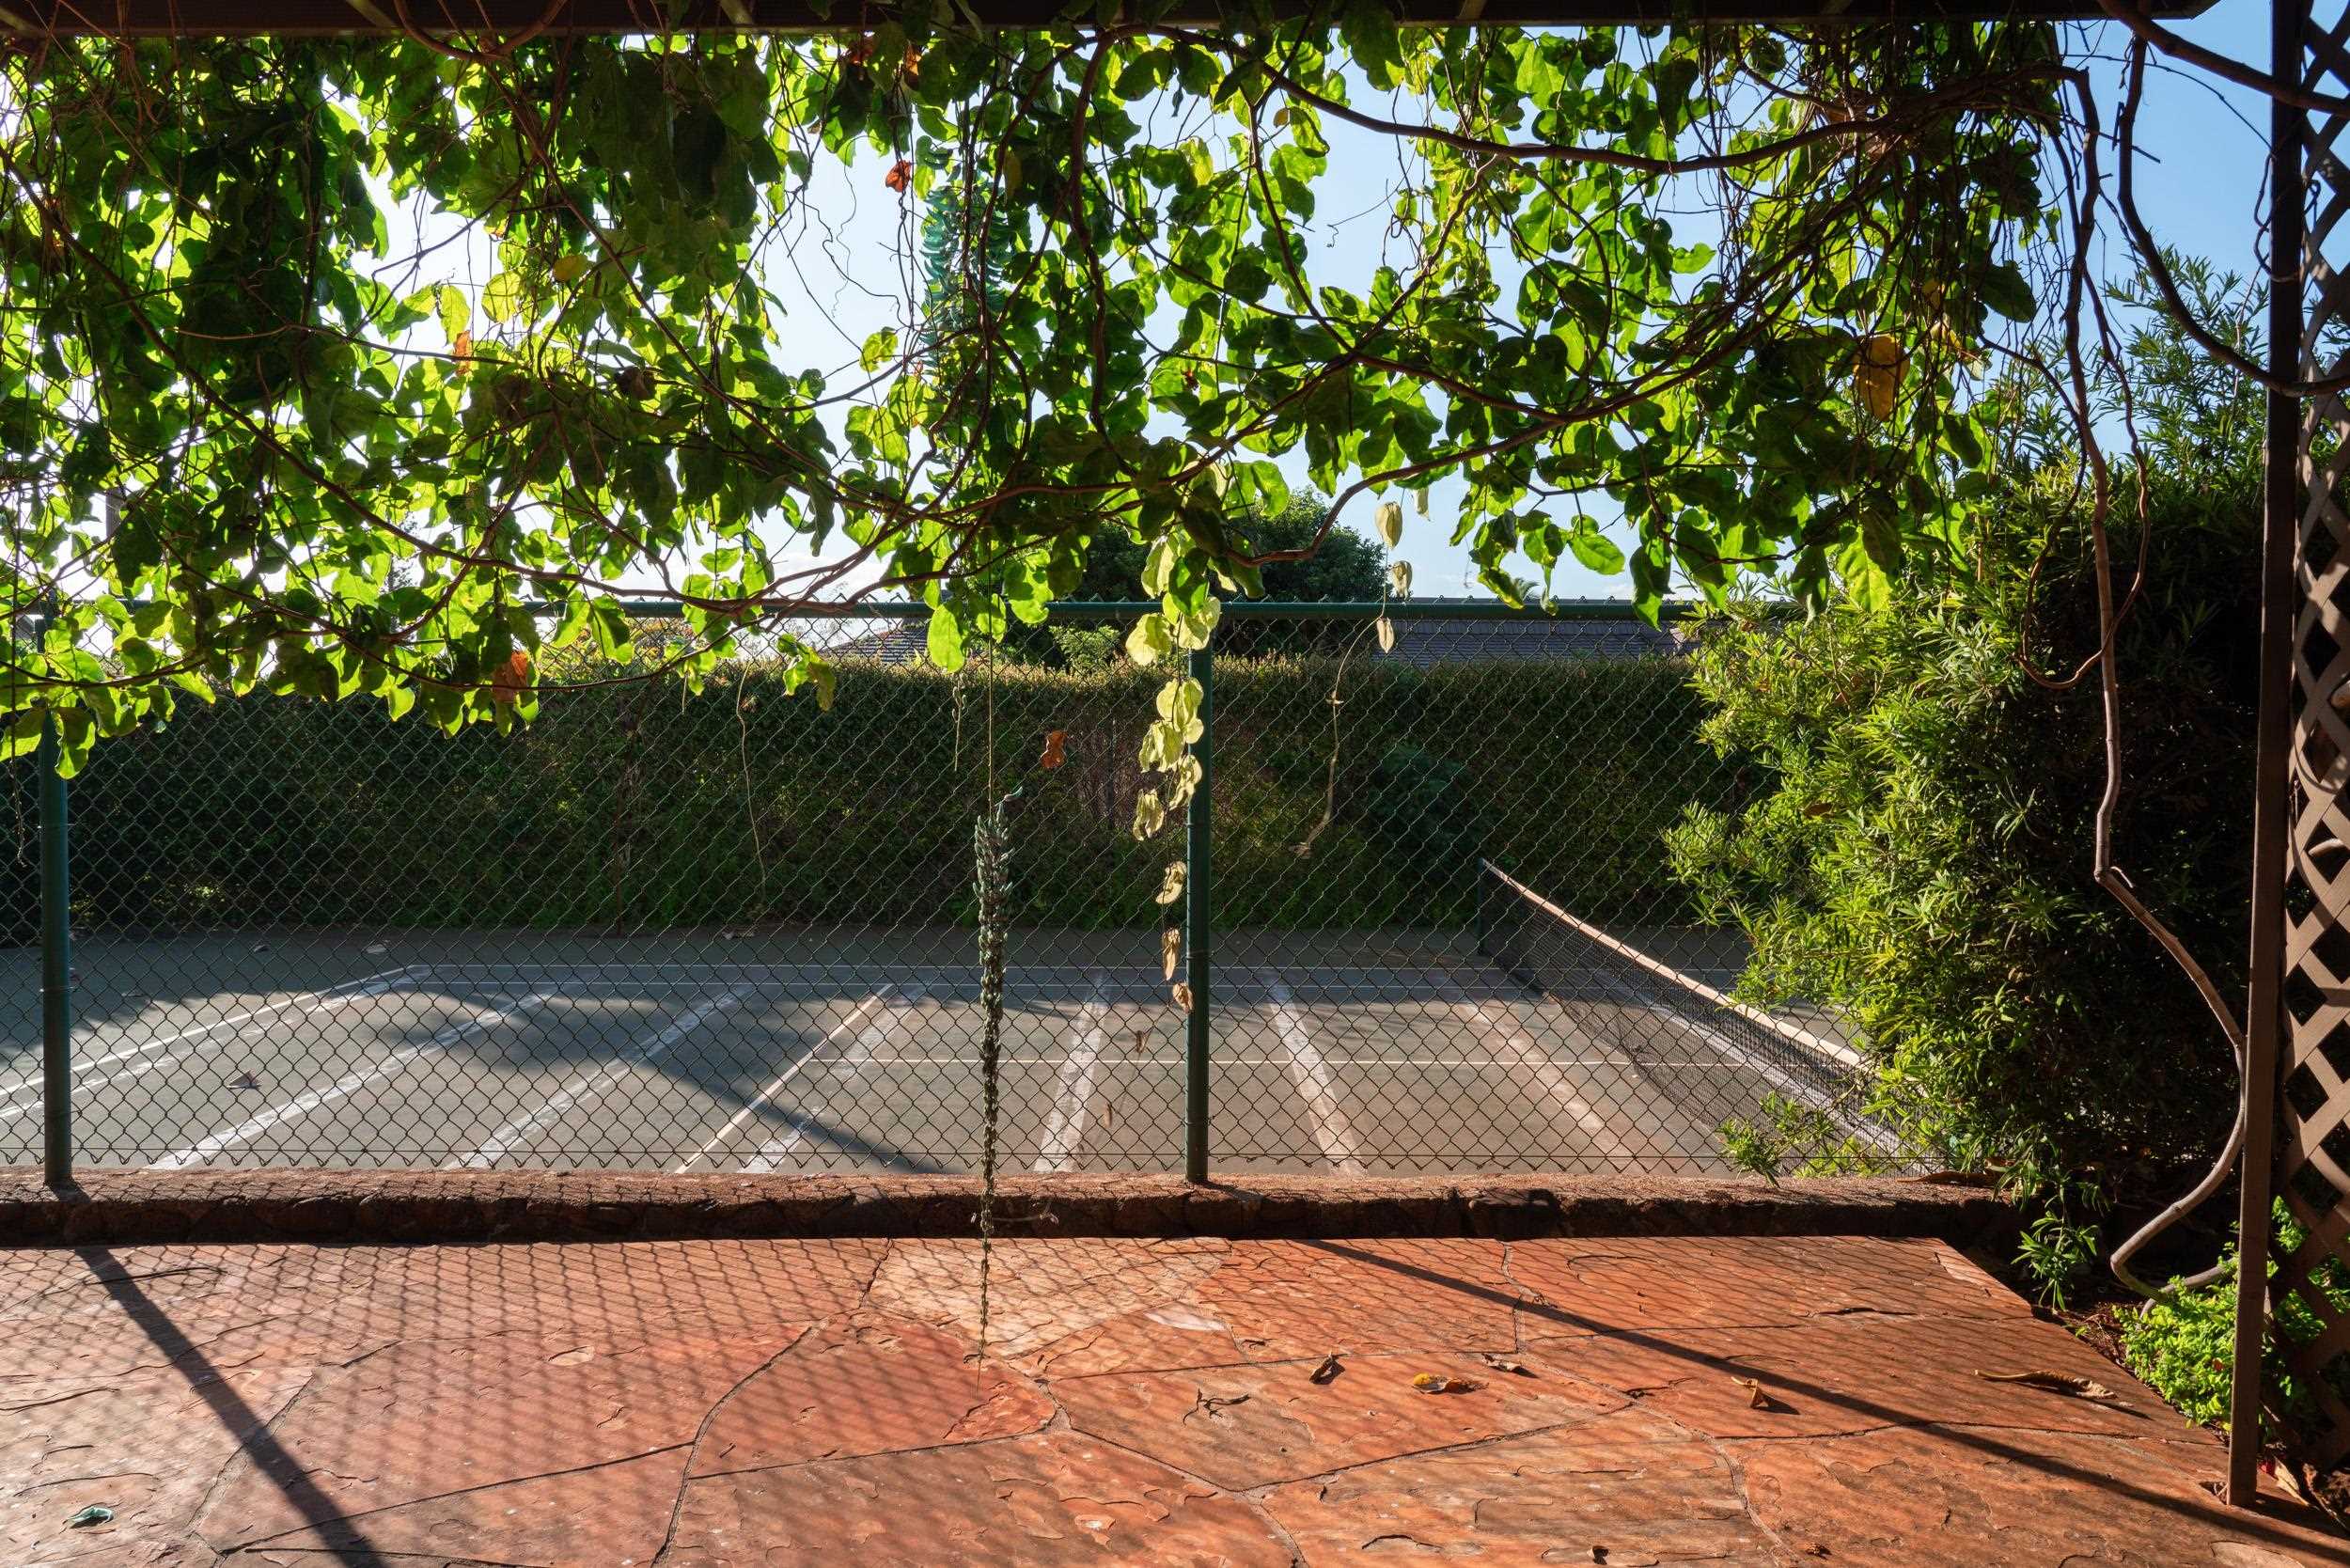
991, 847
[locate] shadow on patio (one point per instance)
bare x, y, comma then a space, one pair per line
1718, 1400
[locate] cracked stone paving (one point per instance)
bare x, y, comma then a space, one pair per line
1624, 1401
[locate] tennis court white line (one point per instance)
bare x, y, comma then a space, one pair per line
751, 1107
770, 1154
82, 1078
503, 1141
1802, 1093
1470, 1063
1073, 1096
866, 965
324, 998
244, 1132
1604, 1139
1396, 984
1332, 1132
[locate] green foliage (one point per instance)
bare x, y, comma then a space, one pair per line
2184, 1346
1792, 1137
1337, 565
1344, 566
624, 807
262, 426
1917, 855
1086, 650
1424, 808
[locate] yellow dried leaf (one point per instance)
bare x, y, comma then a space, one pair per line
1171, 883
1386, 635
1437, 1383
1150, 814
1170, 951
1877, 374
1181, 993
1389, 519
1400, 578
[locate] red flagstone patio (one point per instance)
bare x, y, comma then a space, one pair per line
774, 1403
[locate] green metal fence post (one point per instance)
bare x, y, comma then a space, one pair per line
1199, 922
56, 969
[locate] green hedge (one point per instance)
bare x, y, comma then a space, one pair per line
638, 807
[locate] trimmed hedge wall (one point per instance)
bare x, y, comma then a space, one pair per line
637, 807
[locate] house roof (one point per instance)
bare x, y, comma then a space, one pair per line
1425, 638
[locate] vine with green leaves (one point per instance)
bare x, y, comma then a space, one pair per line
1690, 303
248, 437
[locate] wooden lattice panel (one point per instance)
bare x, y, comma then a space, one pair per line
2312, 1164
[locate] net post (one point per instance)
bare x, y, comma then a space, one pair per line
1199, 923
56, 967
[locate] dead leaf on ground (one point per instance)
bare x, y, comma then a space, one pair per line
1755, 1396
1502, 1363
2054, 1382
1437, 1383
1326, 1370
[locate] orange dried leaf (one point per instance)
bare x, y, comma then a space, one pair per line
507, 683
901, 175
1053, 755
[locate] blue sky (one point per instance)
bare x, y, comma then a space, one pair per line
2200, 184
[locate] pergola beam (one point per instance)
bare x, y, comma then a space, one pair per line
510, 18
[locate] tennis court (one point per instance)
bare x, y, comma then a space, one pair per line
1382, 1054
648, 932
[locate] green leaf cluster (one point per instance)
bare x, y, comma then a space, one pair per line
263, 425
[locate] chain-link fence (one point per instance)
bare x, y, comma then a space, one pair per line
1430, 926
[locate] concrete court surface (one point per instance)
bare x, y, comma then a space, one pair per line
1724, 1401
842, 1051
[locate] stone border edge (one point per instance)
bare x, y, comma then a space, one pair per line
131, 1207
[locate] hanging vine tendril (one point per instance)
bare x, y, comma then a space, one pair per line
990, 853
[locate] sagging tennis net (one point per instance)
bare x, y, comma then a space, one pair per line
1618, 991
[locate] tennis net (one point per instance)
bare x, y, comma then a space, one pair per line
1648, 1009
